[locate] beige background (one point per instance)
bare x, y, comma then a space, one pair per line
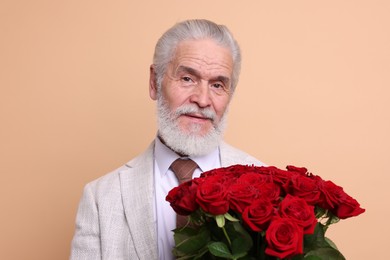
74, 104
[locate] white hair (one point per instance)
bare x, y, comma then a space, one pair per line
194, 30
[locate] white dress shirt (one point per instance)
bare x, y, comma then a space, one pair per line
165, 180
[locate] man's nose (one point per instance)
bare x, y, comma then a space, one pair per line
201, 95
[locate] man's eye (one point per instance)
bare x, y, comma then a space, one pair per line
217, 85
187, 79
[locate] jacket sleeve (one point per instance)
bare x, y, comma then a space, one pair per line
86, 242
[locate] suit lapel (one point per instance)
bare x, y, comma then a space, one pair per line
228, 157
231, 156
137, 190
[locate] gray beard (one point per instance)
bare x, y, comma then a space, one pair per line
191, 143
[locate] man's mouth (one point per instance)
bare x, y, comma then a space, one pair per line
197, 116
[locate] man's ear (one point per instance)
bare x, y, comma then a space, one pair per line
152, 83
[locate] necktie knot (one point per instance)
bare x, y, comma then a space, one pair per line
183, 169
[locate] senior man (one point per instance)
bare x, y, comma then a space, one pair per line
124, 215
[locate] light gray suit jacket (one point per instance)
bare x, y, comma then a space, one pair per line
115, 218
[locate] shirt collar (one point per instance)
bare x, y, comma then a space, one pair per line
164, 157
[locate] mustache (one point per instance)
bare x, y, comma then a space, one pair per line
193, 109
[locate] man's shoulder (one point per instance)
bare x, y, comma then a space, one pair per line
108, 180
111, 180
231, 155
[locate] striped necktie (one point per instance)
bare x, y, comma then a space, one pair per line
183, 169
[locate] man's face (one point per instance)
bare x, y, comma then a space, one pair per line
200, 76
193, 97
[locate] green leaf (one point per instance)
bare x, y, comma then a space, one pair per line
318, 247
312, 257
332, 219
299, 257
201, 253
241, 240
325, 254
315, 240
240, 246
238, 256
220, 220
331, 243
181, 234
230, 217
320, 212
191, 244
186, 257
220, 249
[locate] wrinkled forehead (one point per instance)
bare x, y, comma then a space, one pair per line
205, 46
203, 55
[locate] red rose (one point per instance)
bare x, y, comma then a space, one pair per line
305, 187
241, 195
298, 210
259, 214
332, 195
253, 178
349, 207
300, 170
270, 191
279, 176
211, 195
238, 170
284, 238
213, 172
182, 198
230, 172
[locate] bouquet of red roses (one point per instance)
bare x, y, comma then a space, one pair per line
250, 212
